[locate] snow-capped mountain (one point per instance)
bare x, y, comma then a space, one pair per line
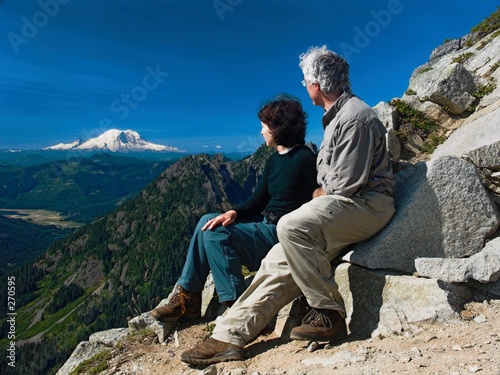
116, 141
66, 146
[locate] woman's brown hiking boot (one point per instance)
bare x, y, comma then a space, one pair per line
182, 304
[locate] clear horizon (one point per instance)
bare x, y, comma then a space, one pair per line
194, 77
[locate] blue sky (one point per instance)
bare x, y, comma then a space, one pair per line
193, 74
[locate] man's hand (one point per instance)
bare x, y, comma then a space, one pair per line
223, 219
318, 192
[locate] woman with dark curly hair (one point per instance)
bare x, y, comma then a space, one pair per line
223, 243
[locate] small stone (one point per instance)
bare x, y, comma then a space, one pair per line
474, 369
238, 371
358, 359
430, 338
416, 350
313, 346
456, 347
466, 315
480, 319
404, 359
211, 370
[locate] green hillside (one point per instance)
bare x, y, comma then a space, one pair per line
80, 188
123, 263
21, 241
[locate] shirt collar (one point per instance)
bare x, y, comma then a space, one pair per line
287, 150
332, 112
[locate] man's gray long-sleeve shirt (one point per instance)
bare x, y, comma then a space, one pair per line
353, 156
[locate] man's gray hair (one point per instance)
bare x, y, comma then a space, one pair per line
325, 67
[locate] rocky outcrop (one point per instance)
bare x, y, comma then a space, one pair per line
473, 139
440, 250
98, 343
382, 303
483, 266
452, 87
389, 117
442, 210
454, 80
163, 330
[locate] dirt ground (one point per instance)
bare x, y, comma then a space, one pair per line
465, 346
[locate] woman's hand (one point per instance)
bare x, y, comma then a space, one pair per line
223, 219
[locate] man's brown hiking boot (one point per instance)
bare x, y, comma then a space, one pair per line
320, 325
182, 304
213, 351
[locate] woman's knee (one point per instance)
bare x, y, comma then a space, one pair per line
209, 216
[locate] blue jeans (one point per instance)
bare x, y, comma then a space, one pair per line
223, 251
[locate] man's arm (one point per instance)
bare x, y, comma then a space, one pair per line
351, 160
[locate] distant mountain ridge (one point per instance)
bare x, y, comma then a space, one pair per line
115, 140
80, 188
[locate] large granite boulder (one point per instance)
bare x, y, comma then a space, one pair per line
382, 303
483, 266
443, 211
475, 133
451, 87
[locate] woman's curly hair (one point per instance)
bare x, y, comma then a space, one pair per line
286, 120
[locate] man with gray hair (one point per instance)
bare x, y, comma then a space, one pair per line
354, 201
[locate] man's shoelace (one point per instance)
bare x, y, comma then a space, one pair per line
315, 315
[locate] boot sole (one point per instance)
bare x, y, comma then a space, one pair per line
228, 355
336, 337
176, 318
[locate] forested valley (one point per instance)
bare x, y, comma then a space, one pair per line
121, 264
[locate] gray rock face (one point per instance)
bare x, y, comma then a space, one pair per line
483, 266
472, 135
446, 48
381, 303
451, 87
98, 343
443, 211
487, 156
388, 115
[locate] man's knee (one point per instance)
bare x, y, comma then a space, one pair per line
286, 224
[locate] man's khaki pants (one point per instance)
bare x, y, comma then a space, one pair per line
310, 238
